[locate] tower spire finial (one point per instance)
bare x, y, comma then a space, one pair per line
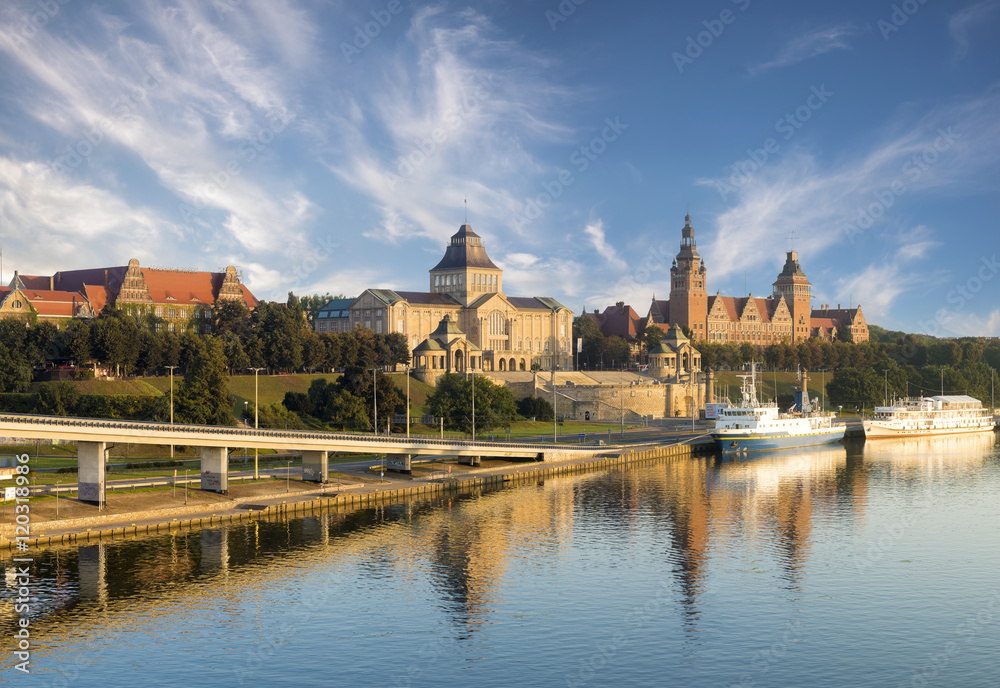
791, 240
466, 210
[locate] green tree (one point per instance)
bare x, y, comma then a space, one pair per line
203, 397
230, 316
236, 357
58, 399
76, 340
452, 400
536, 407
859, 387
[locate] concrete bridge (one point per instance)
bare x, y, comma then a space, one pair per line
214, 442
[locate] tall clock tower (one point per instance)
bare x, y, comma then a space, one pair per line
688, 295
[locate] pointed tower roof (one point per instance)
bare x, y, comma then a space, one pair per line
675, 336
689, 248
465, 251
446, 327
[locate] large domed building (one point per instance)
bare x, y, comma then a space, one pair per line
466, 320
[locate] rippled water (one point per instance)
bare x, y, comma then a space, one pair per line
870, 565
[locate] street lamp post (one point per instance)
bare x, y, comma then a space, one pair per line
171, 368
407, 400
473, 405
375, 399
555, 416
256, 420
621, 397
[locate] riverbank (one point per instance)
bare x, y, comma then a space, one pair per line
212, 509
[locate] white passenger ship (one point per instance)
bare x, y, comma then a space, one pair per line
940, 415
755, 426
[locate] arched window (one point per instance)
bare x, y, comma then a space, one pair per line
498, 324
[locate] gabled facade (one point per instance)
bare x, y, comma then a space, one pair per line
784, 316
827, 322
179, 298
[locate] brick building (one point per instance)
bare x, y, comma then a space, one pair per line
179, 299
786, 315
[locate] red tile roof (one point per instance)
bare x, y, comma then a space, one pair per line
54, 303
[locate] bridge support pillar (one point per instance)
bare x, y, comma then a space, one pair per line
90, 478
315, 466
401, 463
215, 469
470, 460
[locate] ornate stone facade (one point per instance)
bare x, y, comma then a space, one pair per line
513, 333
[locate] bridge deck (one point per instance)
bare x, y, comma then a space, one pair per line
145, 432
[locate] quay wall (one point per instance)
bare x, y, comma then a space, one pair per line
515, 476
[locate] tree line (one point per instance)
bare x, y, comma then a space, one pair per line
275, 337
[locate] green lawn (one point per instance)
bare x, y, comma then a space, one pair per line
787, 384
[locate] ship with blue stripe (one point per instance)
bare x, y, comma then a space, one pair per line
755, 426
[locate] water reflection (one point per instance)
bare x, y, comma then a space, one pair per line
464, 560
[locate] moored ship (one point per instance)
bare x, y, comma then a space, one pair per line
938, 415
755, 426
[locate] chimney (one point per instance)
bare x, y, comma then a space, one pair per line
838, 306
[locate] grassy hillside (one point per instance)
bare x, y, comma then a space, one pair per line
132, 388
787, 383
271, 388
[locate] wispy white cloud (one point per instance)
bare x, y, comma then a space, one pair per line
945, 151
878, 285
808, 45
595, 232
195, 98
448, 115
973, 325
62, 223
961, 24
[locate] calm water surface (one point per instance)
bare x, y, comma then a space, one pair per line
870, 565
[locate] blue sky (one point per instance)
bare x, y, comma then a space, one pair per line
330, 146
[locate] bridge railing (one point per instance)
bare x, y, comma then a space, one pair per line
251, 433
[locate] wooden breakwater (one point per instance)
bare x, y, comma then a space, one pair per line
516, 475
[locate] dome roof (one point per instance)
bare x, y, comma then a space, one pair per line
465, 251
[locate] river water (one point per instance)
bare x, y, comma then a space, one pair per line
866, 565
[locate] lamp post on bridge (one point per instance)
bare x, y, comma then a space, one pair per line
171, 368
374, 400
256, 418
